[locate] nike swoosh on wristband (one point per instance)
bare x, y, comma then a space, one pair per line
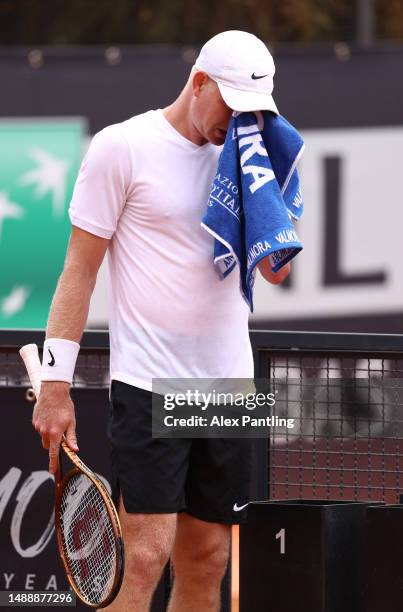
237, 508
260, 76
52, 361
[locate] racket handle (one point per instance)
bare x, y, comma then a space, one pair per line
30, 357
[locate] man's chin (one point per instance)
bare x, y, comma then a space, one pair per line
218, 142
217, 137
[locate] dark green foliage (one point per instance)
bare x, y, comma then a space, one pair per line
40, 22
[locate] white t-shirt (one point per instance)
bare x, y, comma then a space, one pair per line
145, 186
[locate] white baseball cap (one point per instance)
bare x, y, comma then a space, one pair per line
243, 69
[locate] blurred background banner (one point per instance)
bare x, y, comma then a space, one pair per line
39, 163
351, 231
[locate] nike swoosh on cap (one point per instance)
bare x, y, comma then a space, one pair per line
260, 76
237, 508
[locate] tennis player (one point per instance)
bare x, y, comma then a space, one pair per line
141, 193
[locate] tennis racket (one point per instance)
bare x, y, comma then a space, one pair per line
88, 533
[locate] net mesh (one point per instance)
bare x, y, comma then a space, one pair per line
88, 538
348, 440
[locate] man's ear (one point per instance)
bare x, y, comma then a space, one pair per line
199, 81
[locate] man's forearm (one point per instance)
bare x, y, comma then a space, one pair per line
70, 305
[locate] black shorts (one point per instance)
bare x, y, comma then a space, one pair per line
209, 478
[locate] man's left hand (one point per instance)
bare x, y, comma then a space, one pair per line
276, 278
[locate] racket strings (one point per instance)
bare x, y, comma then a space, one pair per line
88, 538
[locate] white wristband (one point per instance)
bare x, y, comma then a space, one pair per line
59, 359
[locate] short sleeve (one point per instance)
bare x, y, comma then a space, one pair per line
100, 191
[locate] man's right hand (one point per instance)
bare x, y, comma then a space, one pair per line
53, 417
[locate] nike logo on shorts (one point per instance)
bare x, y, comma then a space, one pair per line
237, 508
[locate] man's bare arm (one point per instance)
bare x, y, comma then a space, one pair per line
54, 412
69, 310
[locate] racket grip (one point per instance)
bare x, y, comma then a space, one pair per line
30, 357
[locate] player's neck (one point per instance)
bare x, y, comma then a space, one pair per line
178, 116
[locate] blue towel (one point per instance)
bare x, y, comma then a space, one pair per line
255, 196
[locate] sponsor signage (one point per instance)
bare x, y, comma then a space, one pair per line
29, 560
40, 160
350, 229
